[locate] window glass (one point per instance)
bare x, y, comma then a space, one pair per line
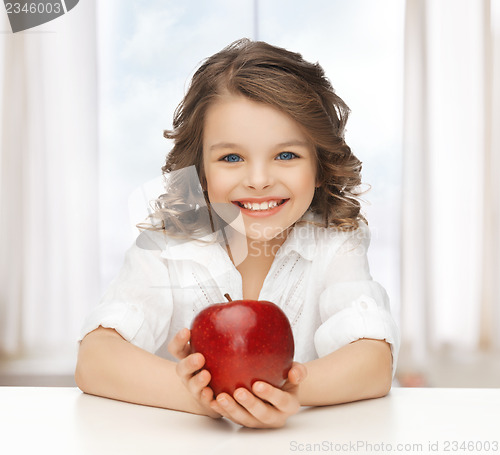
149, 50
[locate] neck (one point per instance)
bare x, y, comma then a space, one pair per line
241, 248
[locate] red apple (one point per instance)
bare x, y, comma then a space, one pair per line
243, 341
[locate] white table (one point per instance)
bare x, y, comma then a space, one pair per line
65, 421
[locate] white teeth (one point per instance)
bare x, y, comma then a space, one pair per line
261, 206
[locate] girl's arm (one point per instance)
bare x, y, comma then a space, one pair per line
111, 367
357, 371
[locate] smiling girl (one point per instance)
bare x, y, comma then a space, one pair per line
258, 159
265, 132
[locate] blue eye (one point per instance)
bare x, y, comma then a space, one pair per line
286, 156
232, 158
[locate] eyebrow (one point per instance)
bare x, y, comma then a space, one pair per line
232, 145
223, 145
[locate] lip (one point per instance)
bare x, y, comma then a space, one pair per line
259, 199
261, 213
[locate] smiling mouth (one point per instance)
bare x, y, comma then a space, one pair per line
259, 207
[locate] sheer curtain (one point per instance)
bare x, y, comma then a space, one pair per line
49, 265
451, 191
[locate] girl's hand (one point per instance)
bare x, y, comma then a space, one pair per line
192, 376
267, 406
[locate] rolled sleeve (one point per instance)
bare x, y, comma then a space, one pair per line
352, 305
366, 316
138, 303
125, 318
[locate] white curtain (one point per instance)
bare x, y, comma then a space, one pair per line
49, 265
451, 191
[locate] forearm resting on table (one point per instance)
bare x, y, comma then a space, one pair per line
357, 371
111, 367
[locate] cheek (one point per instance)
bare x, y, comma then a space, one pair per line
305, 181
217, 187
306, 187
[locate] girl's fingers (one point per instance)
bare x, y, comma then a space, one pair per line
198, 386
232, 410
297, 373
263, 413
207, 398
270, 409
189, 370
199, 382
283, 402
216, 407
179, 345
188, 366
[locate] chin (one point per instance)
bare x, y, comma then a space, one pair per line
266, 233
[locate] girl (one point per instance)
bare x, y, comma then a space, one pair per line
275, 217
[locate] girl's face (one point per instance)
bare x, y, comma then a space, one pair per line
258, 159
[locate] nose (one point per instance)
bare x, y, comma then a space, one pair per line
259, 176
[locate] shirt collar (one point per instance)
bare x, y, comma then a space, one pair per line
205, 251
302, 240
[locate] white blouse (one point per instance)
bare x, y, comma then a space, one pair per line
319, 277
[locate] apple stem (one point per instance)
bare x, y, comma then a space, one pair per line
228, 297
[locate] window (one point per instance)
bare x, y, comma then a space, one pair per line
149, 51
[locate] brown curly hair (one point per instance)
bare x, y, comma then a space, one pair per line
284, 80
